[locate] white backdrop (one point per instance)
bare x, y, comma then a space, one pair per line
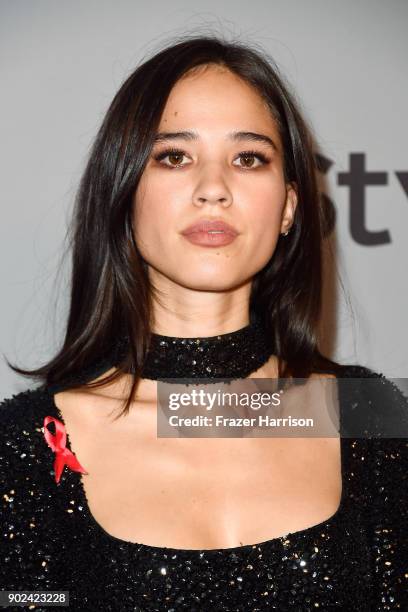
61, 64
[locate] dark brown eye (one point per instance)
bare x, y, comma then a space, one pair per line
248, 158
177, 157
174, 155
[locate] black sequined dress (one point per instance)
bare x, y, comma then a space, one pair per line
356, 560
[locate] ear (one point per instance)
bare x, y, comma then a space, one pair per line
289, 209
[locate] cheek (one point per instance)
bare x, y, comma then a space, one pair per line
263, 216
155, 216
149, 206
264, 209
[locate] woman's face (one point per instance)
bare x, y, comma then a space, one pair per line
212, 176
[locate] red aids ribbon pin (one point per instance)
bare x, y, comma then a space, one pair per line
57, 443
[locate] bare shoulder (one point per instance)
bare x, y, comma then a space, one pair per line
110, 390
317, 375
84, 405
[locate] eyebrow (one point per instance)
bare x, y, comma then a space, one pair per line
236, 136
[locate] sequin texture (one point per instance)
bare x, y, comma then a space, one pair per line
228, 356
357, 560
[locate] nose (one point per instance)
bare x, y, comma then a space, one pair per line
212, 189
223, 200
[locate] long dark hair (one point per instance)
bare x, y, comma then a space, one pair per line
110, 291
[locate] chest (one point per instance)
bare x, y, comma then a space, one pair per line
203, 493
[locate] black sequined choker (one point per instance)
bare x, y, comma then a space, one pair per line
227, 356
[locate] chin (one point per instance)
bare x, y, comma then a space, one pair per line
207, 282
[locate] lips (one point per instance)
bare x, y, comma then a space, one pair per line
207, 225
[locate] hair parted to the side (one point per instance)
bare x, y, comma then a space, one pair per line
110, 293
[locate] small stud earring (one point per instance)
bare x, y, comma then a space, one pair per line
285, 233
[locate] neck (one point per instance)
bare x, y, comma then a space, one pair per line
183, 312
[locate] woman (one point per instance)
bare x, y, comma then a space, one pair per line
197, 240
